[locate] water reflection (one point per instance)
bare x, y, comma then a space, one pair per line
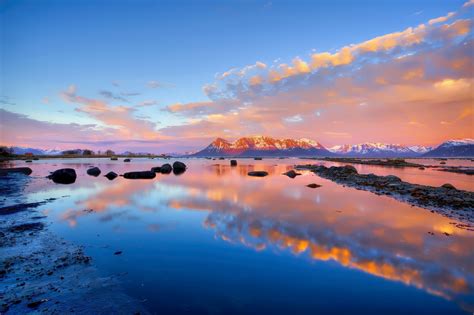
356, 229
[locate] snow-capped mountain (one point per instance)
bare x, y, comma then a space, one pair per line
453, 148
264, 146
420, 149
369, 149
23, 150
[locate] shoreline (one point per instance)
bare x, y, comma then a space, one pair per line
445, 200
41, 272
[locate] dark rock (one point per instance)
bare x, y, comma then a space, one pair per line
114, 158
118, 252
350, 169
63, 176
36, 303
179, 168
448, 186
258, 158
233, 162
28, 161
140, 175
221, 158
94, 171
313, 185
126, 160
111, 175
442, 162
156, 169
23, 170
36, 226
291, 174
257, 173
421, 168
166, 168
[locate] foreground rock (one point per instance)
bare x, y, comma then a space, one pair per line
446, 200
291, 174
257, 173
233, 162
179, 168
111, 175
126, 160
166, 168
94, 171
140, 175
22, 170
156, 169
63, 176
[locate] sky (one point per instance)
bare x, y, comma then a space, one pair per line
170, 76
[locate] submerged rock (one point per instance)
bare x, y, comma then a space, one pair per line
140, 175
291, 174
156, 169
166, 168
63, 176
22, 170
179, 168
257, 173
111, 175
94, 171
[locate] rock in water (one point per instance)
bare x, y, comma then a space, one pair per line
94, 171
114, 158
257, 173
28, 161
63, 176
313, 185
156, 169
166, 168
23, 170
258, 158
448, 186
140, 175
126, 160
233, 162
291, 174
179, 168
111, 175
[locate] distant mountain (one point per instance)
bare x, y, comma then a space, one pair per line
264, 146
22, 150
380, 150
453, 148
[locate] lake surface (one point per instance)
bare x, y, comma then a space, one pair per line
215, 241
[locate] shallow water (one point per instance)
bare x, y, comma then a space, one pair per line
215, 241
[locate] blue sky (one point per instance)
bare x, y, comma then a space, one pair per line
121, 46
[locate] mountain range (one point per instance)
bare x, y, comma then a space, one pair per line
268, 146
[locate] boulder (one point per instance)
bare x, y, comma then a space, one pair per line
23, 170
93, 171
257, 173
291, 174
111, 175
166, 168
140, 175
313, 185
179, 168
156, 169
448, 186
126, 160
63, 176
233, 162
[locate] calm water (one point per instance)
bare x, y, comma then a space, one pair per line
215, 241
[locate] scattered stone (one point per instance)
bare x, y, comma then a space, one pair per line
179, 167
140, 175
22, 170
63, 176
291, 174
448, 186
313, 185
156, 169
28, 161
111, 175
233, 162
166, 168
36, 226
114, 158
94, 171
126, 160
257, 173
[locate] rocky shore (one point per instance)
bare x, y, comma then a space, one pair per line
446, 200
43, 273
